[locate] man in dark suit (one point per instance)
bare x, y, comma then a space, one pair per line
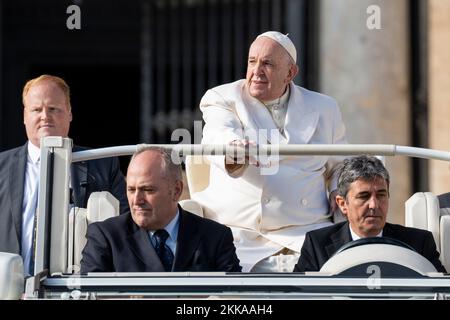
47, 112
363, 197
158, 235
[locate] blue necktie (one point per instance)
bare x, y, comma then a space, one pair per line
162, 249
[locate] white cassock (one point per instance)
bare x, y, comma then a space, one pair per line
271, 207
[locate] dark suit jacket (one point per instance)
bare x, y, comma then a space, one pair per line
86, 177
321, 244
444, 200
119, 245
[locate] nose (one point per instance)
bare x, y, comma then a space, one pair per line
138, 199
373, 202
257, 70
44, 113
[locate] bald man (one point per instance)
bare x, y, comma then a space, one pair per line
270, 203
158, 235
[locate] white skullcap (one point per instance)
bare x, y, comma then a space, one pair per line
283, 40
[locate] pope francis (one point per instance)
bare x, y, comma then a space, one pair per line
270, 211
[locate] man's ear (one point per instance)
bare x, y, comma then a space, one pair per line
340, 200
293, 70
178, 190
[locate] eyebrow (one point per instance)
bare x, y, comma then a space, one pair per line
262, 59
377, 191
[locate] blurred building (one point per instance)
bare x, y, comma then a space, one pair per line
138, 69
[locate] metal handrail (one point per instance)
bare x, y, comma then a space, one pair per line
270, 149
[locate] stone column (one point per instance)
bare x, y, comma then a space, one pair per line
367, 72
439, 91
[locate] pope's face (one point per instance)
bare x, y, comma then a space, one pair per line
269, 69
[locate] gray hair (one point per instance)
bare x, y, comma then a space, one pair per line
170, 164
360, 167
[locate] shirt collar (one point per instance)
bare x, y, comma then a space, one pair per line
357, 237
281, 101
34, 153
172, 227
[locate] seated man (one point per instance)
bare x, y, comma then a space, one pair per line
363, 197
270, 205
158, 235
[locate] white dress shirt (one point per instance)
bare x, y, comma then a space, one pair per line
356, 237
278, 110
29, 204
172, 230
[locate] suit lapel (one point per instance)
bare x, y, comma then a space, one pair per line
141, 246
259, 119
338, 239
301, 119
388, 231
79, 183
17, 183
187, 242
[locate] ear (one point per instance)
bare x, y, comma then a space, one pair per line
178, 189
340, 201
293, 70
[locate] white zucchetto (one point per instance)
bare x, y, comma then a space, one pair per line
283, 40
